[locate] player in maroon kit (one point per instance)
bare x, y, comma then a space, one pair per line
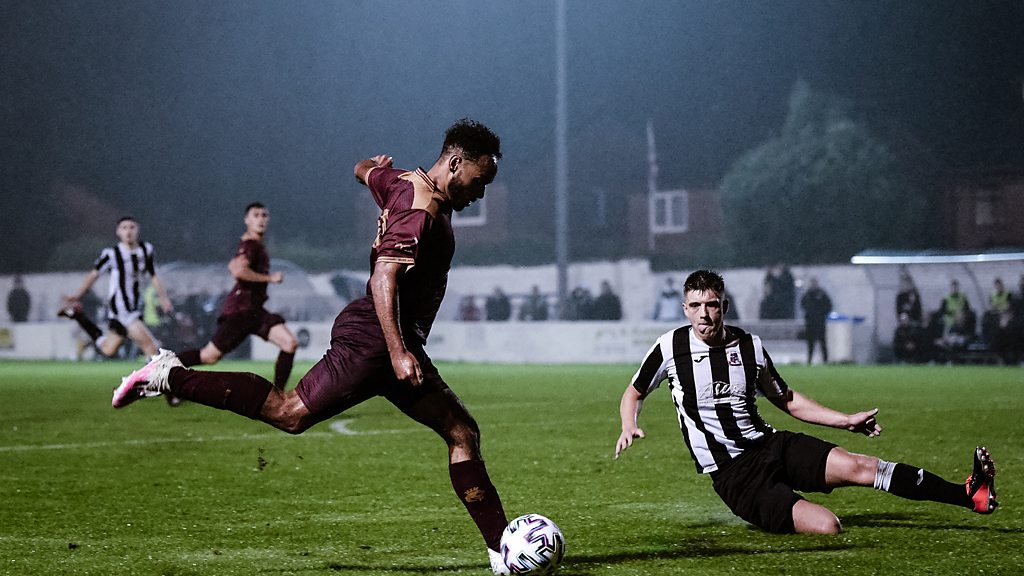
243, 313
377, 342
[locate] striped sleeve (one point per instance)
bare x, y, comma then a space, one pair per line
769, 381
651, 372
147, 253
103, 262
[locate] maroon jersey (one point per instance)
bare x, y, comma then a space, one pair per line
414, 228
249, 296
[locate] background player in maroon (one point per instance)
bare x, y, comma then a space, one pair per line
377, 342
243, 313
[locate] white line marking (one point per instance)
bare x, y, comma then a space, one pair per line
146, 442
341, 427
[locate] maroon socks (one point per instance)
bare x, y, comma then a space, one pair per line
474, 488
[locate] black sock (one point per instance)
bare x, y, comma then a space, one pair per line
88, 325
919, 484
283, 369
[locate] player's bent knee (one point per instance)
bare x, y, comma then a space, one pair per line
809, 518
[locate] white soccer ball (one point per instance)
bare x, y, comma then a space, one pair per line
532, 544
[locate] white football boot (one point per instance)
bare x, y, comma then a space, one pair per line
497, 563
150, 380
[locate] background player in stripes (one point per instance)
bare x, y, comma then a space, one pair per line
715, 372
243, 313
377, 342
126, 263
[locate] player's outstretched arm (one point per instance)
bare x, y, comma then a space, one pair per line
384, 284
87, 283
804, 408
629, 411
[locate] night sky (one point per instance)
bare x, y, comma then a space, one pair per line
181, 112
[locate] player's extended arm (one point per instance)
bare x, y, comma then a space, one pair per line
804, 408
161, 292
87, 283
629, 411
363, 167
384, 284
239, 268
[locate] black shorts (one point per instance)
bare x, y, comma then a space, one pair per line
233, 329
758, 486
357, 367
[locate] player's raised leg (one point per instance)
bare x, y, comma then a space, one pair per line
243, 393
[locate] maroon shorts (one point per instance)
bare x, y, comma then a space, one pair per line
233, 329
357, 367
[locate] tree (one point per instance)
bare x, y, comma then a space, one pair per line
823, 190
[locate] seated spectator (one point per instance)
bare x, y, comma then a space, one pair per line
607, 305
909, 343
908, 300
954, 306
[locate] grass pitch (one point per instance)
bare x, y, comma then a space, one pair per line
153, 490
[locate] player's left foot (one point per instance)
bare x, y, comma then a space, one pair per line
497, 563
150, 380
981, 484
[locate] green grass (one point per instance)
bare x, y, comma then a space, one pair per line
151, 490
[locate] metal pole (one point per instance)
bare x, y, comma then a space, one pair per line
561, 162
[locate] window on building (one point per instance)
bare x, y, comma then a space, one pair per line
985, 209
670, 211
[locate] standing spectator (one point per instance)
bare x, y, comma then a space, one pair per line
468, 310
995, 324
785, 293
670, 304
19, 301
816, 305
908, 300
243, 313
580, 305
534, 307
498, 306
607, 305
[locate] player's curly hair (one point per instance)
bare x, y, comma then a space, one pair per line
473, 139
704, 280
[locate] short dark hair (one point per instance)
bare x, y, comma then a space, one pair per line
124, 218
473, 139
253, 205
704, 280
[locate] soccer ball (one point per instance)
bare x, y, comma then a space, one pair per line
532, 544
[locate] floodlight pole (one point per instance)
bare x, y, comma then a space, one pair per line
561, 162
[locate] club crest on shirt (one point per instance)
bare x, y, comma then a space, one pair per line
734, 359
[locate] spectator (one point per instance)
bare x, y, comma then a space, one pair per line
785, 293
954, 308
997, 321
468, 310
19, 301
816, 305
498, 306
909, 343
580, 305
534, 307
908, 300
607, 305
670, 304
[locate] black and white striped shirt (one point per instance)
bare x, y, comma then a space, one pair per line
714, 391
126, 267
